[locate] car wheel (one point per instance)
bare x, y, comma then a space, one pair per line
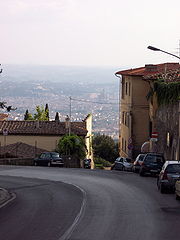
162, 189
141, 173
49, 164
177, 197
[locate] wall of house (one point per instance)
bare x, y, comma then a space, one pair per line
48, 143
125, 116
134, 109
167, 120
140, 113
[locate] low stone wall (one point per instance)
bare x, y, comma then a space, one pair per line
69, 162
16, 161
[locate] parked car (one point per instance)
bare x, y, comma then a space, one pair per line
177, 189
152, 164
49, 159
122, 163
168, 176
137, 163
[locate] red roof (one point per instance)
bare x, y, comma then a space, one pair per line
52, 128
150, 69
3, 116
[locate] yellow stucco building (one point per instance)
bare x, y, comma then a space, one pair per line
137, 114
45, 134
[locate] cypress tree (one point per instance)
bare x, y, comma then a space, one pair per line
47, 111
57, 117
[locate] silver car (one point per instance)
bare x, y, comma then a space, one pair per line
123, 163
168, 176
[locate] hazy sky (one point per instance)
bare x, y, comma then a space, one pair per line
88, 32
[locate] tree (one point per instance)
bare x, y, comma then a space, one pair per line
40, 114
105, 147
57, 117
47, 111
72, 145
3, 104
28, 116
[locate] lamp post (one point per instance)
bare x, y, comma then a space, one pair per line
157, 49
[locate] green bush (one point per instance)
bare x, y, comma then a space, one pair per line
101, 163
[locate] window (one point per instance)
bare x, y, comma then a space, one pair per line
122, 89
129, 89
123, 117
123, 144
126, 88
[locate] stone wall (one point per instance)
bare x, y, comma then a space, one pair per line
167, 119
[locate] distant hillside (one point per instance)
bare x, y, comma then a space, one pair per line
58, 73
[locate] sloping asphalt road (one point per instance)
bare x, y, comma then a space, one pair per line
86, 205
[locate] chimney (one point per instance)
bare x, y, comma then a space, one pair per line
151, 67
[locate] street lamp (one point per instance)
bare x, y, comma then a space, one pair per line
157, 49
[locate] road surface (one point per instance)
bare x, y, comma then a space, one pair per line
80, 204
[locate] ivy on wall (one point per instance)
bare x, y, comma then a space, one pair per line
167, 93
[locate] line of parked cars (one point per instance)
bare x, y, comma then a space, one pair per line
167, 172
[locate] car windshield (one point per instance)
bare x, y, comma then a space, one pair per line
128, 160
55, 155
173, 168
154, 159
141, 157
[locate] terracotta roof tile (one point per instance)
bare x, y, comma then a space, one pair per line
168, 76
41, 128
150, 69
3, 116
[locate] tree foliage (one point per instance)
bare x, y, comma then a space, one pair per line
41, 114
28, 116
105, 147
72, 145
166, 92
47, 111
57, 117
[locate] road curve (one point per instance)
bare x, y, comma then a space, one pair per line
110, 204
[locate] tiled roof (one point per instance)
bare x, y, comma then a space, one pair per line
42, 128
150, 69
168, 76
21, 150
3, 116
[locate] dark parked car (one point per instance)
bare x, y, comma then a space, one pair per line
122, 163
49, 159
137, 163
152, 164
168, 176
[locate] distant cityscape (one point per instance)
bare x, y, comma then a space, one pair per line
68, 90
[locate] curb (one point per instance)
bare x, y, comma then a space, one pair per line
5, 197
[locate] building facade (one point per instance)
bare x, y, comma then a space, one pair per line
137, 113
44, 134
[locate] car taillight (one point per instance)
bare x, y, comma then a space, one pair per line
142, 163
164, 176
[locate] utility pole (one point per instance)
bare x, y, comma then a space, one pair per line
70, 99
69, 120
